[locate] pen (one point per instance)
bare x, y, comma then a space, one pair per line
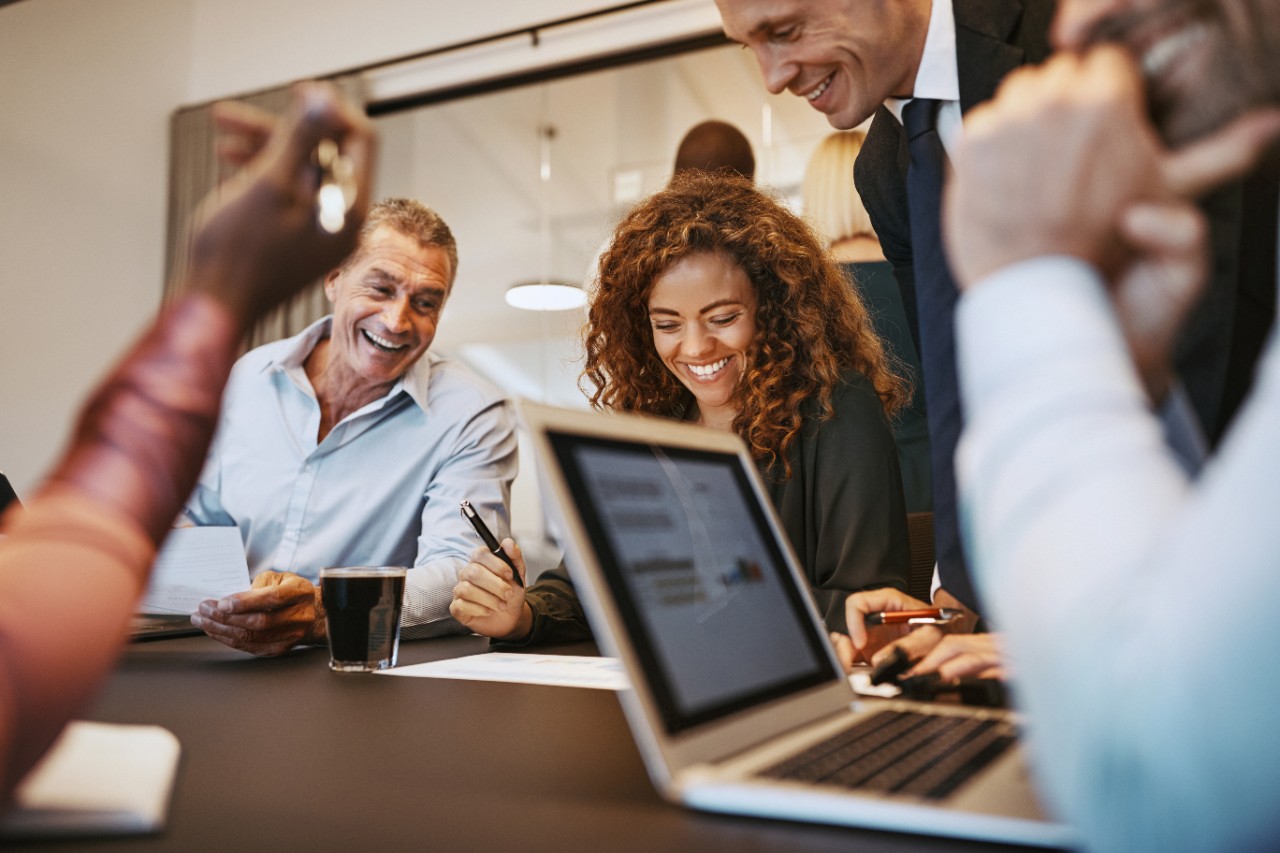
469, 513
925, 616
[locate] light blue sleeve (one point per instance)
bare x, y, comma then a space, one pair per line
204, 506
1138, 605
479, 466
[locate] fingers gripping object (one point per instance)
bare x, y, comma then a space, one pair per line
989, 692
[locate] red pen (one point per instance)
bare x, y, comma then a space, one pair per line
924, 616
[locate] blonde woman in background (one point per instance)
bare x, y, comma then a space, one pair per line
833, 208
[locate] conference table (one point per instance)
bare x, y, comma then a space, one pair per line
281, 754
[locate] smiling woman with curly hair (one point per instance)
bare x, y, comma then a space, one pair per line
809, 330
719, 306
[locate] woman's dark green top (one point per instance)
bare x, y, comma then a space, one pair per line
842, 509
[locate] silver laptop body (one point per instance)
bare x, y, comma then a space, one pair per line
687, 577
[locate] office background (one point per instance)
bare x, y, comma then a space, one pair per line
88, 89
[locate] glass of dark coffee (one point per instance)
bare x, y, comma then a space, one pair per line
362, 605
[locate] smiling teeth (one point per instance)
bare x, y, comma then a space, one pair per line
822, 87
382, 343
708, 369
1161, 54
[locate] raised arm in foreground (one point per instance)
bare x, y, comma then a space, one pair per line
73, 564
1151, 719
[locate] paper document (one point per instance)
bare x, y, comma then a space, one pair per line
97, 779
193, 564
554, 670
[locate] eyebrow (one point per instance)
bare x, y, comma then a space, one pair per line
767, 23
381, 276
719, 303
377, 275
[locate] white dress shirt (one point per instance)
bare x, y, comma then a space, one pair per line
938, 76
1138, 604
383, 487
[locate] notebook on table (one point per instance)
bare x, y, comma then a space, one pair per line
97, 779
738, 702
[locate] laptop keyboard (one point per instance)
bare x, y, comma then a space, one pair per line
902, 752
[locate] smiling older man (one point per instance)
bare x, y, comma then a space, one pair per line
352, 444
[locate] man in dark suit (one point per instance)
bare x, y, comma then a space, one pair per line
893, 58
853, 58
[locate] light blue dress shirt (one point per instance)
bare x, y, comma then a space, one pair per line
383, 487
1138, 603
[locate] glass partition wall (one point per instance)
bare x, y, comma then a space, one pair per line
609, 138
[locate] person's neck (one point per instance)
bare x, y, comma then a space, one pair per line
861, 248
720, 417
339, 392
923, 14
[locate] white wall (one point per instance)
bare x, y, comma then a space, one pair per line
241, 45
86, 90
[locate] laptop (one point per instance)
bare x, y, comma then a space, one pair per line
738, 702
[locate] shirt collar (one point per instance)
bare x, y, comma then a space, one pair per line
293, 357
938, 76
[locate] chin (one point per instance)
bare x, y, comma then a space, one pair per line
714, 399
843, 120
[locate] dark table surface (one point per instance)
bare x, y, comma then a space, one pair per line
281, 754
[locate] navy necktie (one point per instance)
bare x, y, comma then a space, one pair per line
935, 304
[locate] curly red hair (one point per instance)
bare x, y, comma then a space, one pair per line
811, 325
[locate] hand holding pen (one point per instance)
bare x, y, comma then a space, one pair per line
484, 600
869, 635
490, 541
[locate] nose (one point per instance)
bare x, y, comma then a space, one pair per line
1077, 19
778, 71
395, 315
697, 343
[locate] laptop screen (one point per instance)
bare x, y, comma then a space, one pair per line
697, 573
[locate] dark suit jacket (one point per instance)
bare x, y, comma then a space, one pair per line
993, 37
1218, 349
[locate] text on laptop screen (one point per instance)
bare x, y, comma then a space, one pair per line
697, 573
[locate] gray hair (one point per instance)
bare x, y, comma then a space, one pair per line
412, 219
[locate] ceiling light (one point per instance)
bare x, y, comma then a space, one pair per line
546, 295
